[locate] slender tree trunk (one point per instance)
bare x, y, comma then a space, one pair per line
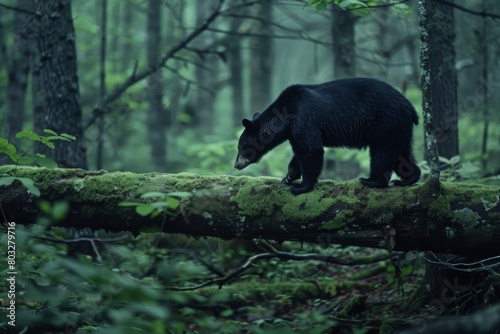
157, 119
443, 77
235, 67
486, 102
261, 60
128, 24
102, 83
55, 81
18, 71
115, 32
206, 75
343, 45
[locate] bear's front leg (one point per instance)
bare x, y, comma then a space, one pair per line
311, 164
293, 171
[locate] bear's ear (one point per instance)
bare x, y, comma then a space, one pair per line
255, 115
247, 124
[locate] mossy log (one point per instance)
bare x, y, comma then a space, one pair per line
464, 219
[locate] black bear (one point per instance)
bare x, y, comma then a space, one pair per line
354, 113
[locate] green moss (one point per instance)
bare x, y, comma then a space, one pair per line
120, 185
384, 204
466, 217
440, 208
340, 220
259, 197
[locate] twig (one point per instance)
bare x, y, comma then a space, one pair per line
17, 9
136, 77
80, 239
470, 11
281, 255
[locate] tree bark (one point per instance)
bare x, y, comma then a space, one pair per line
261, 60
207, 73
463, 220
431, 149
55, 82
127, 55
157, 118
18, 71
443, 77
343, 44
102, 83
236, 70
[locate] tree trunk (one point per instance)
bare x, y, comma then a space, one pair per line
157, 119
443, 77
102, 84
343, 45
464, 220
18, 71
206, 74
55, 81
127, 55
236, 70
431, 151
261, 60
116, 35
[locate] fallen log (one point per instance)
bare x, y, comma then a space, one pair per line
464, 219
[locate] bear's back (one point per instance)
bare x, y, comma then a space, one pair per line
350, 112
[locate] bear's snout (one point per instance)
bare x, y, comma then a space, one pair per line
241, 163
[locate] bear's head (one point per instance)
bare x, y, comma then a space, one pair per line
250, 148
261, 134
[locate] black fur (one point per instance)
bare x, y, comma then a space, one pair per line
354, 113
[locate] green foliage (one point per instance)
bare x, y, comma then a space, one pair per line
453, 169
23, 157
26, 182
168, 202
360, 7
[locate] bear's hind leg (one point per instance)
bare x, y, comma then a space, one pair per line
293, 171
380, 168
407, 170
311, 164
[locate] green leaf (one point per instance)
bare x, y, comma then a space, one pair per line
30, 185
45, 162
153, 194
49, 131
179, 194
45, 207
351, 4
7, 148
173, 202
26, 160
60, 210
144, 209
320, 5
130, 204
159, 205
49, 144
6, 181
28, 134
227, 313
70, 137
26, 182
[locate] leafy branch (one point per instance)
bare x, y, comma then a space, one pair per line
23, 158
